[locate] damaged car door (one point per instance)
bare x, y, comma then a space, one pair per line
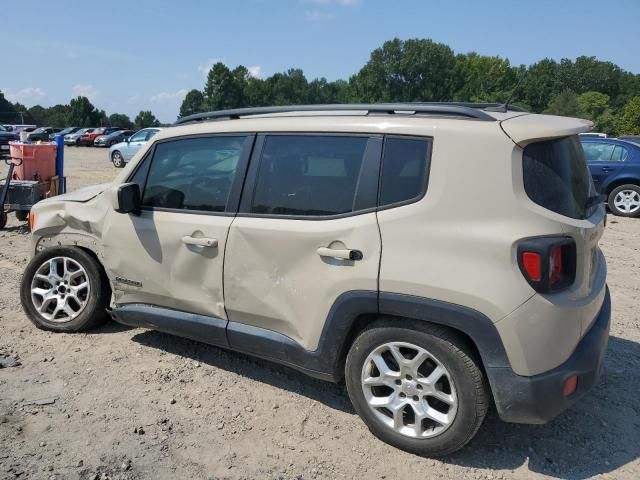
306, 233
171, 254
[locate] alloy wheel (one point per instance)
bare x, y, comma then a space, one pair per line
627, 201
60, 289
409, 390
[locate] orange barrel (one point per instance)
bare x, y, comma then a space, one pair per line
33, 161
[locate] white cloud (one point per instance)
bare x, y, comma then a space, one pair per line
88, 91
170, 97
319, 16
255, 71
28, 96
204, 68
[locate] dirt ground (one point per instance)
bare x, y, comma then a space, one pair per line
130, 403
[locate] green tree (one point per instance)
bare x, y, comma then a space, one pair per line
595, 106
193, 103
82, 113
480, 78
223, 90
39, 114
146, 119
8, 112
629, 120
541, 84
290, 88
565, 103
120, 120
411, 70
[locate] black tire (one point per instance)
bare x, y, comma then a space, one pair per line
3, 219
22, 215
465, 371
117, 159
612, 196
95, 311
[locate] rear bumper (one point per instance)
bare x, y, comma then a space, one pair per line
539, 398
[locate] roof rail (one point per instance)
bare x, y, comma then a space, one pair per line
465, 110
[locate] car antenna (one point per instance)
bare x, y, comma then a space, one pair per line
504, 108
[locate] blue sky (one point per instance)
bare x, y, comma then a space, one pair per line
132, 55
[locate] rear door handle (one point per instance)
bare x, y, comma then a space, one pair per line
343, 254
606, 169
200, 241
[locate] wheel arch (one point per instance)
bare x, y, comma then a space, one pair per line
619, 182
85, 243
344, 323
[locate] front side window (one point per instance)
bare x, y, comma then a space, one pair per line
150, 134
192, 174
308, 175
141, 136
404, 170
597, 152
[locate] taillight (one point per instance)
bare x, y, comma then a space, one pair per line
548, 263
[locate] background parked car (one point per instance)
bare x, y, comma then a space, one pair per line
6, 136
122, 152
88, 138
64, 132
615, 169
112, 138
72, 138
19, 128
42, 134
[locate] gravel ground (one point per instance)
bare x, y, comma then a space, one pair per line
130, 403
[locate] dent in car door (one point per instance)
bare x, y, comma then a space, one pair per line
171, 255
292, 250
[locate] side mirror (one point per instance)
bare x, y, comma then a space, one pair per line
129, 201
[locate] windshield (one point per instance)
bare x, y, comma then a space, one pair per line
556, 177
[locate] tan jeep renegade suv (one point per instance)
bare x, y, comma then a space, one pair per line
435, 257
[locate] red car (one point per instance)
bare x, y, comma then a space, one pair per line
88, 138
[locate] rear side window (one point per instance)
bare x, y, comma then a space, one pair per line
405, 168
597, 152
308, 175
619, 154
192, 174
556, 177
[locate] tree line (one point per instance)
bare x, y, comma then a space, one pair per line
412, 70
79, 112
422, 70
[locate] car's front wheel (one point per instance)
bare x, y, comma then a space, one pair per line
416, 386
624, 200
64, 289
117, 159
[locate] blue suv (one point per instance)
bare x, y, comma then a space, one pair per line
615, 168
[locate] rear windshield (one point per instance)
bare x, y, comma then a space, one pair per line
556, 177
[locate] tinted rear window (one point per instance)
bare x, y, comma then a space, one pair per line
556, 177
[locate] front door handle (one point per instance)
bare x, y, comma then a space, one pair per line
606, 169
343, 254
200, 241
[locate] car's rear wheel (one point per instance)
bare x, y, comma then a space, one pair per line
624, 200
416, 386
65, 290
117, 159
